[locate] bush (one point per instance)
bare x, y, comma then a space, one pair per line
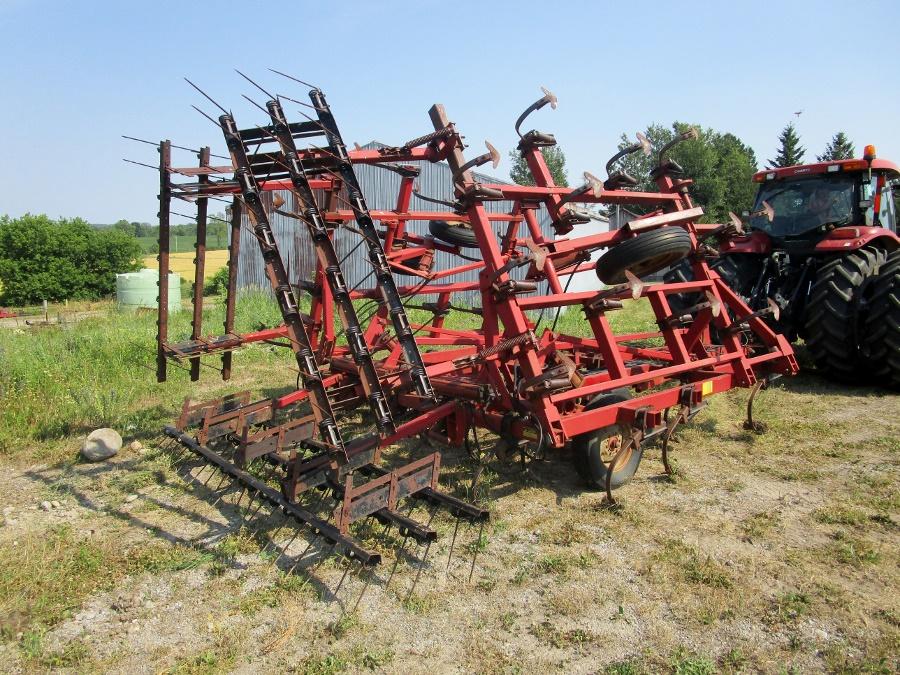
217, 283
44, 259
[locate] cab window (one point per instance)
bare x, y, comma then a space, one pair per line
886, 211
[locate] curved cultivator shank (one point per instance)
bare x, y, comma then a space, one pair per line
297, 457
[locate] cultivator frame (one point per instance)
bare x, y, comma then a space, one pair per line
538, 390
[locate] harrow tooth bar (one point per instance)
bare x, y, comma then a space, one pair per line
343, 544
457, 507
384, 492
276, 439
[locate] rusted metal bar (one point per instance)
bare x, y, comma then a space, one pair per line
330, 264
165, 202
234, 250
343, 544
377, 257
199, 266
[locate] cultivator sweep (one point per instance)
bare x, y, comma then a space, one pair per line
605, 396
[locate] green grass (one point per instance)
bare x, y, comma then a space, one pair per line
44, 577
60, 382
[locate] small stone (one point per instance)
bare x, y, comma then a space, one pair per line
135, 446
130, 498
46, 505
7, 510
101, 444
55, 504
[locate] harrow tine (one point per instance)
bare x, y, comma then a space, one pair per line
396, 561
452, 542
223, 491
222, 480
349, 564
324, 556
300, 557
419, 573
272, 537
206, 482
287, 546
368, 574
240, 497
247, 515
475, 554
206, 96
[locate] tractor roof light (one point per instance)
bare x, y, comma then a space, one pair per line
869, 153
770, 175
833, 168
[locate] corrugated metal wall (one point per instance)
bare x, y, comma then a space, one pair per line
380, 187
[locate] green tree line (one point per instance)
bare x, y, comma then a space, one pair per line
65, 259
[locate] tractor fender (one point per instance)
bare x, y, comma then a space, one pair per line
853, 238
755, 242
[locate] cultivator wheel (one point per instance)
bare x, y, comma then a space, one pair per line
645, 254
595, 451
304, 459
835, 315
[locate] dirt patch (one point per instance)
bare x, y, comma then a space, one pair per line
764, 552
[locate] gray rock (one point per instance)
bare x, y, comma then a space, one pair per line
46, 506
130, 498
101, 444
136, 446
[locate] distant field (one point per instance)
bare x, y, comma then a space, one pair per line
179, 243
183, 263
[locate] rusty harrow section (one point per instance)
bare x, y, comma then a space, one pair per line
277, 454
604, 395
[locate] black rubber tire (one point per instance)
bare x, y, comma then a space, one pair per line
835, 317
882, 340
644, 254
453, 233
587, 454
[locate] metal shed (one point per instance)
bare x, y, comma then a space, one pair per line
380, 188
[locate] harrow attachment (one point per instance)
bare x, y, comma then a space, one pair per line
357, 348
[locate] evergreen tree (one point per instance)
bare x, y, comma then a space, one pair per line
556, 162
840, 147
791, 152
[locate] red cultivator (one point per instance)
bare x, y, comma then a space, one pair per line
607, 395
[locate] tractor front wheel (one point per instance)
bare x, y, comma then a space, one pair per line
834, 317
882, 341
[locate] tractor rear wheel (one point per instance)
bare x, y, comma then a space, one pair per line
595, 450
834, 317
882, 341
644, 254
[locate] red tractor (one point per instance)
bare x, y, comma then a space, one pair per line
819, 257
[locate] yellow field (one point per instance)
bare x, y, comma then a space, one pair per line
183, 263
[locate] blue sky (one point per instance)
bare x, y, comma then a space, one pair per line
77, 75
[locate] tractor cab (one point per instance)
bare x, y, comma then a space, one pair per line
809, 203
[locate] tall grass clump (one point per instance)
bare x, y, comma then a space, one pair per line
62, 381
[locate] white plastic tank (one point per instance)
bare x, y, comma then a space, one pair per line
139, 289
